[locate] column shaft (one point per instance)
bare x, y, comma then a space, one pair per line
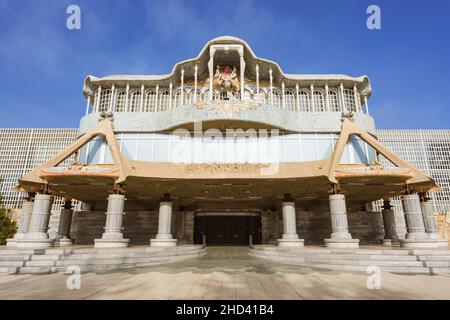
390, 234
430, 222
37, 236
24, 223
113, 237
65, 221
290, 236
415, 236
340, 236
164, 236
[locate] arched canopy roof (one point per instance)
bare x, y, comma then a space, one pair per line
251, 60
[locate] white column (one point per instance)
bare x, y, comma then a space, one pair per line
157, 98
327, 100
290, 236
430, 222
257, 78
242, 66
344, 107
390, 234
112, 99
312, 106
357, 102
87, 104
99, 92
182, 87
126, 97
181, 224
112, 237
283, 102
367, 105
65, 221
141, 105
212, 50
24, 223
297, 95
271, 86
170, 95
37, 236
340, 236
415, 235
195, 83
164, 236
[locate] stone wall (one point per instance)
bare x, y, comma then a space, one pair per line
141, 226
443, 224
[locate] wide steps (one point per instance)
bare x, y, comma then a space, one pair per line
90, 259
389, 260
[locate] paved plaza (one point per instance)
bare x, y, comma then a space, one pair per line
225, 273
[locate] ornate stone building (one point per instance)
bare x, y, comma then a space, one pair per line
227, 149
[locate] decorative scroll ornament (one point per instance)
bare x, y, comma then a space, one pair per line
226, 78
348, 115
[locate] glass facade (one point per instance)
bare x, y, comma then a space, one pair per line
239, 147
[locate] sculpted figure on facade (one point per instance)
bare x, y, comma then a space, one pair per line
226, 78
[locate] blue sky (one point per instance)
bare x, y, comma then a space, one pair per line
43, 64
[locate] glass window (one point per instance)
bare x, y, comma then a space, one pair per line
345, 159
309, 152
304, 101
145, 151
291, 148
105, 99
120, 101
108, 156
94, 151
324, 147
129, 146
135, 105
150, 101
289, 100
318, 101
161, 148
333, 101
359, 150
349, 100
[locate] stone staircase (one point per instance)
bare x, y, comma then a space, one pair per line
90, 259
425, 261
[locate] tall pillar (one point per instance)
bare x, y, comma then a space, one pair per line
242, 71
181, 224
24, 223
429, 221
112, 237
415, 236
164, 236
65, 221
37, 236
390, 234
340, 237
290, 236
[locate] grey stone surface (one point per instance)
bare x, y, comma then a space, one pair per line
279, 118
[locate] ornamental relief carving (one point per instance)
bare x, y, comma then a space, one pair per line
216, 168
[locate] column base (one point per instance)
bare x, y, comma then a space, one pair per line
387, 242
35, 243
163, 242
64, 242
342, 243
111, 243
11, 242
291, 243
419, 243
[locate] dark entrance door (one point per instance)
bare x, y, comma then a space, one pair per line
227, 229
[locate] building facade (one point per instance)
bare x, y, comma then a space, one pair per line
228, 149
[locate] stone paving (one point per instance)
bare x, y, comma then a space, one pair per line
225, 273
